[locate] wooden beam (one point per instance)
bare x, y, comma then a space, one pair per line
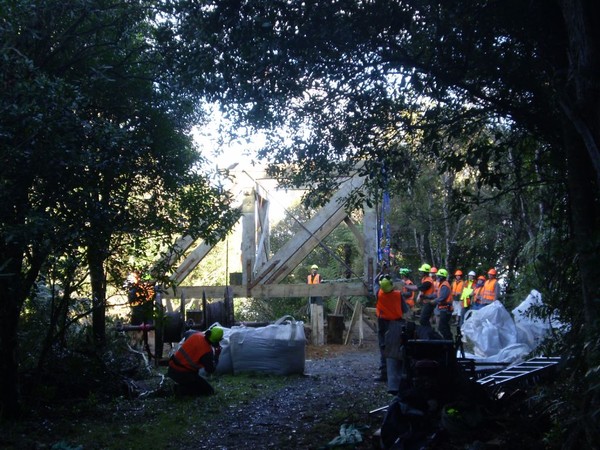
248, 230
371, 245
309, 236
190, 262
272, 290
263, 247
357, 234
356, 317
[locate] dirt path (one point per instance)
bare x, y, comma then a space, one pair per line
337, 388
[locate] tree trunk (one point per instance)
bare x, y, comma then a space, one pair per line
581, 105
15, 285
9, 319
96, 258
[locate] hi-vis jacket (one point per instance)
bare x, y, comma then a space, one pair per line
467, 293
488, 294
407, 295
389, 305
431, 289
194, 354
457, 288
444, 300
314, 279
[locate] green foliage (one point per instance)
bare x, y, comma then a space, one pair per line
481, 118
98, 164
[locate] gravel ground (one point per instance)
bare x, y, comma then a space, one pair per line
338, 388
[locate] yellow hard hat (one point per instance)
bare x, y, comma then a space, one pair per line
386, 285
214, 335
425, 268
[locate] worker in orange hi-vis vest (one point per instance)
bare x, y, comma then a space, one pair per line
315, 307
198, 351
426, 294
443, 303
477, 300
457, 287
491, 290
388, 309
314, 278
408, 296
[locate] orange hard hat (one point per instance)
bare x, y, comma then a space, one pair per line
433, 270
481, 277
458, 273
492, 271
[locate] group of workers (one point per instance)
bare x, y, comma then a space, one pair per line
437, 298
434, 296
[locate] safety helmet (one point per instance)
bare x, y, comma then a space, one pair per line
458, 273
442, 273
314, 266
386, 285
433, 270
214, 335
492, 271
404, 271
481, 277
425, 268
472, 273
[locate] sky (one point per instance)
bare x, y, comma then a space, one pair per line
240, 156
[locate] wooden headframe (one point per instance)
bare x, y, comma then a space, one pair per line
262, 273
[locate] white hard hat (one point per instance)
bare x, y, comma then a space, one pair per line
471, 273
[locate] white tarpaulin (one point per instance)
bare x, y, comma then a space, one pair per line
499, 337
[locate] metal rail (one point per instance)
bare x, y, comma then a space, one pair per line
520, 372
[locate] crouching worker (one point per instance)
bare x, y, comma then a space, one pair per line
198, 351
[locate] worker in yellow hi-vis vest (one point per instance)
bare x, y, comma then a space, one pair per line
467, 295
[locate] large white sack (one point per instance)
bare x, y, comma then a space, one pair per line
225, 365
277, 349
533, 330
490, 329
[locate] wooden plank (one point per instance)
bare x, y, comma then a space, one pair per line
356, 315
338, 306
361, 328
317, 336
274, 290
263, 247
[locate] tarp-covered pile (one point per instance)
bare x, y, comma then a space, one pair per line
499, 337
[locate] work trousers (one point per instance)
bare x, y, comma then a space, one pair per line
190, 383
383, 325
444, 324
426, 313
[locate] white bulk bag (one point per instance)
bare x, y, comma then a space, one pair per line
277, 349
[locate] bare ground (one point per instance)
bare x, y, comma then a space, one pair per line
337, 388
296, 412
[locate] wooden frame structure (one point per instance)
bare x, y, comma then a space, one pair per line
262, 272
